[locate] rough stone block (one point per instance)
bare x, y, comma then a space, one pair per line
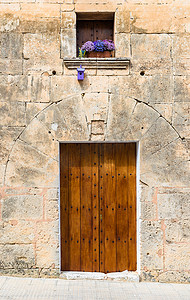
122, 42
61, 87
140, 121
98, 127
122, 20
169, 206
41, 53
181, 18
148, 211
165, 110
29, 167
52, 209
152, 245
17, 256
33, 109
95, 103
17, 231
177, 231
177, 256
11, 67
22, 207
180, 54
120, 110
47, 246
181, 119
174, 276
151, 46
68, 20
182, 88
54, 122
151, 19
158, 136
38, 137
12, 114
99, 84
11, 45
13, 88
39, 88
68, 43
40, 10
7, 137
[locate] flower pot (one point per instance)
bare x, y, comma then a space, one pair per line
100, 54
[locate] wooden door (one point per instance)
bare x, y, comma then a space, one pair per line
98, 207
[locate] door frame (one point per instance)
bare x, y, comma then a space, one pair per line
138, 207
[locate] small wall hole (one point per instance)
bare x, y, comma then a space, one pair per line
142, 73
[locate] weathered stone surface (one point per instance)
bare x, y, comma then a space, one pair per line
140, 121
11, 67
158, 136
37, 135
177, 231
11, 45
7, 138
174, 276
13, 231
38, 49
165, 110
122, 20
39, 88
181, 119
13, 88
12, 114
33, 109
152, 245
172, 161
95, 103
72, 111
68, 20
151, 19
22, 207
182, 88
177, 256
68, 43
120, 110
61, 87
148, 211
170, 205
32, 168
122, 40
52, 118
98, 127
17, 256
180, 54
47, 247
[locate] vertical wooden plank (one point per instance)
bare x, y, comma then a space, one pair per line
85, 32
132, 258
95, 206
103, 30
74, 206
102, 210
122, 207
86, 209
109, 208
64, 217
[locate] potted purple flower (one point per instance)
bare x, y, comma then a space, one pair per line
99, 48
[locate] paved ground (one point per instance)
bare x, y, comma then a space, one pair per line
53, 289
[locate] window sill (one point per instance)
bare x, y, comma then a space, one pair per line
97, 63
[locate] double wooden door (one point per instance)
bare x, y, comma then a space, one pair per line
98, 206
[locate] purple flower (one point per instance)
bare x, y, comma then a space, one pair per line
99, 46
88, 46
109, 45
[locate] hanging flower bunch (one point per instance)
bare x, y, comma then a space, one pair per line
98, 46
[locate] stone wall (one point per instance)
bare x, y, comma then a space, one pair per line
148, 102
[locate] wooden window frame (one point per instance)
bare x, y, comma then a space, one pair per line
93, 18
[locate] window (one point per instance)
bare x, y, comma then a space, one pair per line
92, 27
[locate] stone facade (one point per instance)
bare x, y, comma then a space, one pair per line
148, 101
